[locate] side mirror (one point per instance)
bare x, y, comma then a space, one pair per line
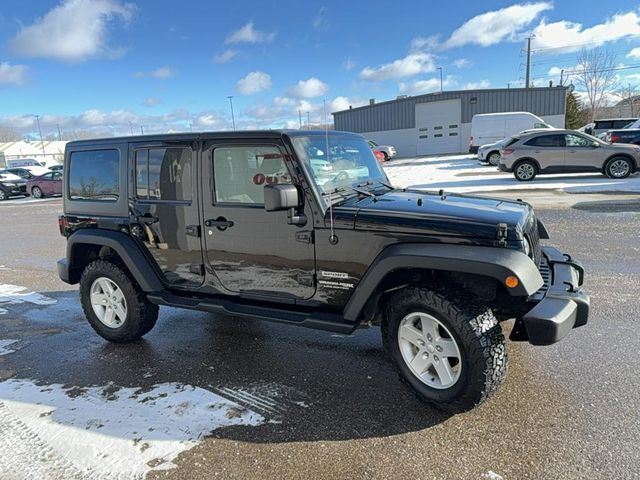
280, 197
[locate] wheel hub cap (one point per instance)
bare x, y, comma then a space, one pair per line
429, 350
108, 302
619, 168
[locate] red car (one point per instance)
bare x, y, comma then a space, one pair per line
45, 185
381, 157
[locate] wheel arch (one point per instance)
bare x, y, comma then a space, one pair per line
85, 246
531, 159
473, 261
634, 163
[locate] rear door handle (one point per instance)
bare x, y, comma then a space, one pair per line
147, 219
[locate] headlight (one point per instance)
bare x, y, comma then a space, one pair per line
9, 184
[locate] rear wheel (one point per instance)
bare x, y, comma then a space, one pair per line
525, 171
386, 156
114, 304
494, 158
449, 350
3, 195
619, 167
36, 192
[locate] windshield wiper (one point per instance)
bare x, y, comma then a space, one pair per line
341, 190
370, 182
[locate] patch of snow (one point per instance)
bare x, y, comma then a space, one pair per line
464, 174
108, 431
14, 294
491, 475
4, 343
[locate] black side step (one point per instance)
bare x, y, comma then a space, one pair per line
318, 320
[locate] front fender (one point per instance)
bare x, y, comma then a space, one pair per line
497, 263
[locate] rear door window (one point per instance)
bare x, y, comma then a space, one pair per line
94, 175
605, 125
546, 141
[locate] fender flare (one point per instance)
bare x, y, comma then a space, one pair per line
127, 249
497, 263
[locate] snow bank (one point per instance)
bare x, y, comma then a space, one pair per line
14, 294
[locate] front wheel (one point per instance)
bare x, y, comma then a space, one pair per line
619, 167
114, 304
451, 352
3, 195
494, 159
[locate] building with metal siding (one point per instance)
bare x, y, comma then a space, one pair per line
394, 122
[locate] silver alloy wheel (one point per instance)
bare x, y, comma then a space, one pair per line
619, 168
36, 192
3, 195
494, 159
429, 350
525, 171
108, 302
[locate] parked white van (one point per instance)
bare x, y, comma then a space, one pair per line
493, 127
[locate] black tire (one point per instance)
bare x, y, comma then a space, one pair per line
620, 162
3, 195
493, 158
386, 157
477, 334
141, 314
36, 192
525, 170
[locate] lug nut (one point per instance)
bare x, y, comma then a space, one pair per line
429, 337
425, 355
435, 357
438, 348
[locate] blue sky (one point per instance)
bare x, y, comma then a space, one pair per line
100, 64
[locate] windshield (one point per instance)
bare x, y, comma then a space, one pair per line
347, 162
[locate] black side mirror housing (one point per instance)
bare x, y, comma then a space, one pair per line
280, 197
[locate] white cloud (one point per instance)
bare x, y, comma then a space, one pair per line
320, 21
461, 63
225, 57
634, 53
495, 26
253, 83
309, 88
424, 43
248, 34
477, 85
162, 73
348, 64
426, 86
565, 36
412, 64
12, 74
151, 101
74, 31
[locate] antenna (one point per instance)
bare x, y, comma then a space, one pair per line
333, 239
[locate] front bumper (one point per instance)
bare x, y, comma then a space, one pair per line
20, 189
560, 305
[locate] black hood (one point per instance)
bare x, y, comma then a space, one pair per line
410, 211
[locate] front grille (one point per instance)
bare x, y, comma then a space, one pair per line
534, 239
545, 273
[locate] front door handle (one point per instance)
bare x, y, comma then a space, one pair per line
220, 223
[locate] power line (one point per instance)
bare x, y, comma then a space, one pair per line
578, 44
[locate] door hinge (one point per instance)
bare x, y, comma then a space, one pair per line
306, 236
193, 230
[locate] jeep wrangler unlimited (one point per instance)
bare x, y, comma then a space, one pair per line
303, 227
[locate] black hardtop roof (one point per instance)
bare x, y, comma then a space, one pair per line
224, 135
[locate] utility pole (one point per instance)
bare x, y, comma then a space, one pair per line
233, 118
300, 118
440, 68
40, 131
527, 83
131, 127
561, 77
59, 134
141, 129
308, 120
191, 127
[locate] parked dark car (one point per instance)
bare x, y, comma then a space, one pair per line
11, 185
241, 224
21, 172
622, 136
45, 185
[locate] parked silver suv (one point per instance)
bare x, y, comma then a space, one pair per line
566, 151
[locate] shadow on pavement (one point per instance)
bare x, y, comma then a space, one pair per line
309, 385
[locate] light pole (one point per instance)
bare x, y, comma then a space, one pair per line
40, 131
233, 118
440, 68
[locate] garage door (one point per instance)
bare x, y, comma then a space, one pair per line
438, 125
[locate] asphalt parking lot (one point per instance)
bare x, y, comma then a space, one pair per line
306, 404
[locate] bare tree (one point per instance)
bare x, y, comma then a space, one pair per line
9, 134
597, 75
629, 100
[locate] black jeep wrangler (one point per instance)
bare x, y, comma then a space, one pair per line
303, 227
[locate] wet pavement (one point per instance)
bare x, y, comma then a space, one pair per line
330, 406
